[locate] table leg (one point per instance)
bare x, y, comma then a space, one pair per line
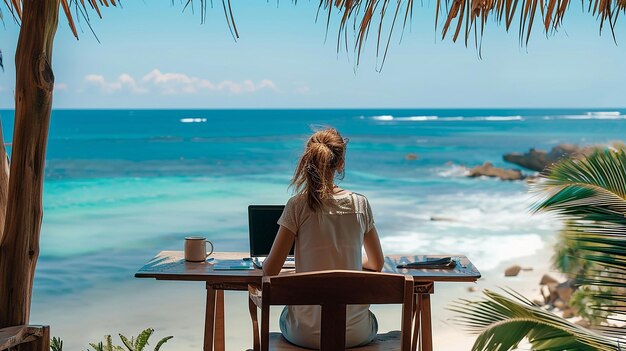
219, 342
209, 320
416, 321
427, 330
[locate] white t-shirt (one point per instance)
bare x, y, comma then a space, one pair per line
327, 239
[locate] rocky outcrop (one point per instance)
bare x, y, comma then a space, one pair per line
512, 271
548, 279
488, 170
557, 295
538, 160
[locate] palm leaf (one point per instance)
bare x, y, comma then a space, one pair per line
109, 342
161, 342
503, 322
590, 193
128, 343
97, 347
466, 17
593, 183
142, 339
56, 344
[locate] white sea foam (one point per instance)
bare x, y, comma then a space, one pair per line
590, 115
485, 252
193, 120
605, 113
417, 118
490, 212
383, 118
446, 119
488, 227
453, 171
500, 118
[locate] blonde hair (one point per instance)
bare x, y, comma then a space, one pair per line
324, 155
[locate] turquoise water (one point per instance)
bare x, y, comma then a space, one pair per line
123, 184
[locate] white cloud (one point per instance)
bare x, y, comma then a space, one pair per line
123, 82
176, 83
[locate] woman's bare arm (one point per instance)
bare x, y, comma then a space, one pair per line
278, 253
375, 259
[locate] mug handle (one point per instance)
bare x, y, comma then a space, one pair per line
210, 243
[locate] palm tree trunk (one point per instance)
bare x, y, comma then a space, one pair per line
4, 182
19, 248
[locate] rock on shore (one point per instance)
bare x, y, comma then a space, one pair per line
512, 271
557, 294
489, 170
538, 160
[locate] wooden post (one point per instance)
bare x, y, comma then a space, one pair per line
19, 248
4, 182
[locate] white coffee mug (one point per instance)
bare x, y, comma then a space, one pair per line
195, 248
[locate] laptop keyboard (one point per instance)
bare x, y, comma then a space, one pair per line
290, 262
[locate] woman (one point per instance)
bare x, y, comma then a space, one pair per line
330, 227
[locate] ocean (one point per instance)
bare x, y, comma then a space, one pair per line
121, 185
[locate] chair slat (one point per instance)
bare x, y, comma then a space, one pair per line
349, 287
333, 328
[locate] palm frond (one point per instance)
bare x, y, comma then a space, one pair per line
161, 342
463, 17
566, 258
466, 18
142, 339
504, 322
590, 188
56, 344
130, 344
82, 8
590, 193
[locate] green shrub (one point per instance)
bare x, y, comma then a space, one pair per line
138, 343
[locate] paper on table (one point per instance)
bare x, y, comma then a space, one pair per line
227, 265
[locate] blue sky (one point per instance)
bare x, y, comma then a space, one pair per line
152, 55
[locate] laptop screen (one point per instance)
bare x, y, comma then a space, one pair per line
263, 228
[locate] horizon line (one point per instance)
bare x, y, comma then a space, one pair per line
320, 108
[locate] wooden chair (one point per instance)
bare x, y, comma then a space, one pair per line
332, 290
25, 338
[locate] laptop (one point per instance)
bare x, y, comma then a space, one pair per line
263, 226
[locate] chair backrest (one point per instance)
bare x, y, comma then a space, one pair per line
335, 289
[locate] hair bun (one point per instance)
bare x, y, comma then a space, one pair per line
322, 158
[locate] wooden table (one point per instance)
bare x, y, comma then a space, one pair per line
170, 265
